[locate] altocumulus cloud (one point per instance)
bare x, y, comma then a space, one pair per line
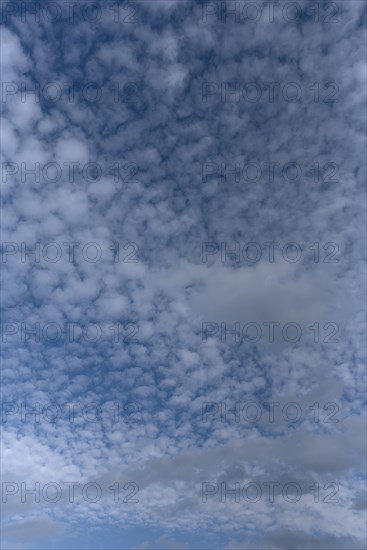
183, 274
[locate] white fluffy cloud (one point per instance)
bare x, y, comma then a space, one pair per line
117, 222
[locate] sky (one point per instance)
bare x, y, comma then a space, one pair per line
183, 275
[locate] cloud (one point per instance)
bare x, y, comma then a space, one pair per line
110, 203
33, 528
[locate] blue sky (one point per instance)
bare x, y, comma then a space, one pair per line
183, 269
